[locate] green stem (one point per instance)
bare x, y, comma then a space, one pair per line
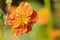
2, 35
50, 25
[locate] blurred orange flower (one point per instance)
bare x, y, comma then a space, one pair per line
55, 33
43, 16
22, 18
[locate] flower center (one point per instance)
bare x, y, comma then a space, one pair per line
25, 19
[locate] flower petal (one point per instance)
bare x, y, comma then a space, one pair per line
26, 8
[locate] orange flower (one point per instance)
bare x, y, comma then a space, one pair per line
43, 16
22, 18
